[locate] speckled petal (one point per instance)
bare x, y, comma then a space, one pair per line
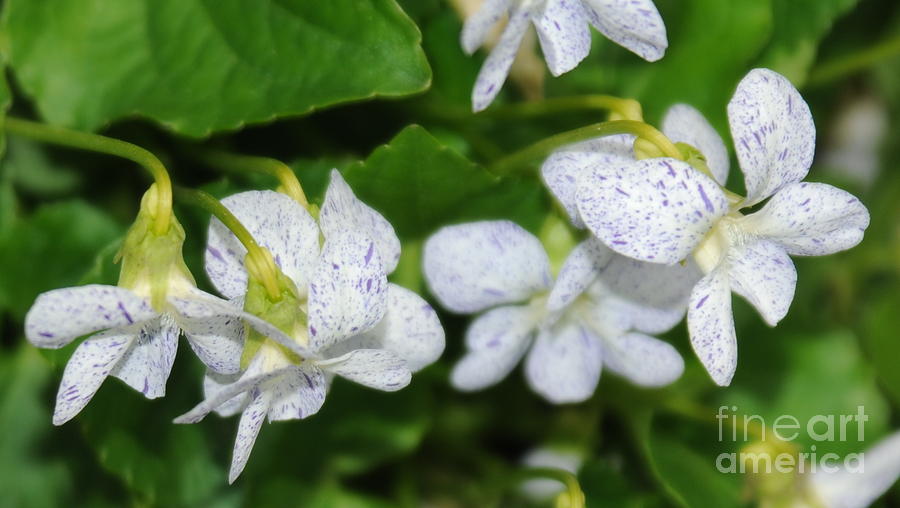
651, 284
342, 211
563, 169
214, 382
60, 316
88, 367
654, 210
773, 131
375, 368
564, 364
348, 294
858, 489
811, 219
642, 359
633, 24
684, 124
764, 274
217, 341
711, 326
496, 67
297, 394
473, 266
496, 342
251, 421
148, 361
478, 26
564, 33
277, 223
578, 271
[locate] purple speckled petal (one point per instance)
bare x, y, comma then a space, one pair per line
410, 329
213, 383
773, 131
496, 67
578, 271
633, 24
478, 26
147, 363
348, 293
473, 266
643, 360
248, 428
59, 316
810, 219
684, 124
376, 368
564, 33
217, 341
88, 367
564, 364
654, 210
711, 326
844, 488
342, 211
298, 393
764, 274
277, 223
496, 341
562, 170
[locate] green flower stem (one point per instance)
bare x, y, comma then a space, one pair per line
290, 185
625, 109
545, 147
854, 62
573, 488
102, 144
259, 261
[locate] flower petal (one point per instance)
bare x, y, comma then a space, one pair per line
297, 394
811, 219
277, 223
342, 211
375, 368
563, 169
213, 383
633, 24
857, 489
496, 342
684, 124
564, 364
473, 266
711, 326
478, 26
146, 365
764, 274
496, 67
59, 316
251, 421
88, 367
654, 210
578, 271
643, 360
348, 293
564, 34
773, 131
217, 341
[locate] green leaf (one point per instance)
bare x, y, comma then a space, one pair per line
32, 170
799, 25
420, 185
198, 66
5, 103
879, 325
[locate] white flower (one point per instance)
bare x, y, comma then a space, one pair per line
345, 318
662, 210
564, 33
596, 314
134, 329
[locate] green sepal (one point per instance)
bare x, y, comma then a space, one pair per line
286, 314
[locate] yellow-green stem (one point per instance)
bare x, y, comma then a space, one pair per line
290, 185
573, 488
626, 109
854, 62
102, 144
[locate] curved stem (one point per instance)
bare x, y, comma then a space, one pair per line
97, 143
854, 62
259, 260
235, 162
546, 146
573, 488
627, 109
